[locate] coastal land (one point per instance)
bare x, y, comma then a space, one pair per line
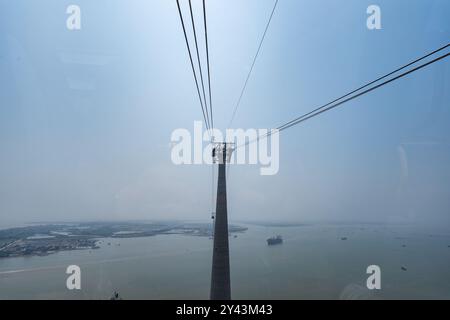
44, 239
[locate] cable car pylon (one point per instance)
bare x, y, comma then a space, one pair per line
220, 273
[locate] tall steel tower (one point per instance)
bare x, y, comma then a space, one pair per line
220, 275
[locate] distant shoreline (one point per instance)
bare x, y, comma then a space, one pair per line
276, 224
45, 239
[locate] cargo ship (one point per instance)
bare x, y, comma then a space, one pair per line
275, 240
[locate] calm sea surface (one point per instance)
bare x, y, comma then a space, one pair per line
313, 262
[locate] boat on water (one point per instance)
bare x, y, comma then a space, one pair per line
116, 296
275, 240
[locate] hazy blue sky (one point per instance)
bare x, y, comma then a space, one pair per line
86, 116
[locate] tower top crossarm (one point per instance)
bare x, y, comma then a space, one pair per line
222, 151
